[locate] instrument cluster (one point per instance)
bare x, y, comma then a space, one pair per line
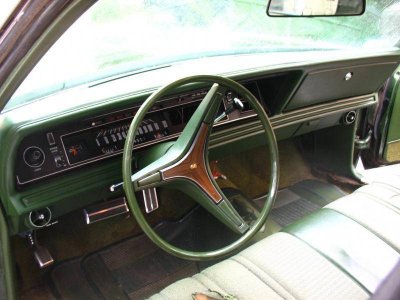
92, 139
75, 144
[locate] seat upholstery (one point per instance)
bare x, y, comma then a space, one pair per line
375, 206
278, 267
357, 251
343, 251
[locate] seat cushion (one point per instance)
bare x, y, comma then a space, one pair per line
278, 267
357, 251
387, 174
375, 206
343, 251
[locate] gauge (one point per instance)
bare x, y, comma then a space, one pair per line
34, 157
75, 150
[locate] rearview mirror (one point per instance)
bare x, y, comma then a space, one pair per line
315, 8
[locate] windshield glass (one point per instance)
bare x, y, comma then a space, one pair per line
117, 37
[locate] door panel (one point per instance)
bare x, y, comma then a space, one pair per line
7, 267
391, 151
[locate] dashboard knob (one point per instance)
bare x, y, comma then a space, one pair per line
350, 117
34, 157
40, 218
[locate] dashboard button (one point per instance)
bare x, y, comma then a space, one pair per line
50, 138
34, 157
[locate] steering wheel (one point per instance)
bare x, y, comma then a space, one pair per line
186, 164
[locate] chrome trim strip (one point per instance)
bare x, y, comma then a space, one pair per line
322, 110
292, 118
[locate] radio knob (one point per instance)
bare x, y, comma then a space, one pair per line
58, 161
34, 157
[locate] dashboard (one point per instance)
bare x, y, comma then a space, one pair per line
94, 139
65, 158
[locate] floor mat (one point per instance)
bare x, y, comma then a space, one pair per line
293, 211
249, 172
303, 198
136, 268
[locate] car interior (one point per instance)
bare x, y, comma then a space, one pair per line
213, 178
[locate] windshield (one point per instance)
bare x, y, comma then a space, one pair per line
121, 37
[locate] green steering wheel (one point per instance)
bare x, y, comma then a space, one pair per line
186, 163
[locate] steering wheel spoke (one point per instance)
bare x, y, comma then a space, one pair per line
204, 114
230, 217
223, 210
166, 166
151, 175
193, 167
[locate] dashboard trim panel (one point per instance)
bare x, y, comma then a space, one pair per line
225, 135
291, 118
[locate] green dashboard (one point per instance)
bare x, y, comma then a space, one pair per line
63, 154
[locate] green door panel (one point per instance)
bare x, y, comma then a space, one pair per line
392, 145
7, 288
